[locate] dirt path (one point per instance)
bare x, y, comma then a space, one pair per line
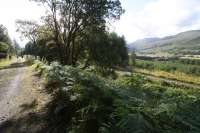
10, 90
22, 100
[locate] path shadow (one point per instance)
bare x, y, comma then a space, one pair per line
29, 122
44, 121
27, 107
37, 75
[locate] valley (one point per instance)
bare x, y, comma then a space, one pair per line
183, 44
66, 66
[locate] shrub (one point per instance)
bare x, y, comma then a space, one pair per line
82, 102
86, 103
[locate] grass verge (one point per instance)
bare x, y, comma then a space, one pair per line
4, 62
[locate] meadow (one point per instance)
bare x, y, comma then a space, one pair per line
186, 70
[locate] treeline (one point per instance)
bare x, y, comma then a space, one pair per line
157, 58
7, 47
173, 59
183, 65
76, 32
5, 42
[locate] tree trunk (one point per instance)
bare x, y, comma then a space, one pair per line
73, 62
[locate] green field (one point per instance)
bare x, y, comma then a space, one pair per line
185, 70
191, 67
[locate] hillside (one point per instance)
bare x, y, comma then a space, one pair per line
183, 43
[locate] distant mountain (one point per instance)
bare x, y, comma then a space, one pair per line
140, 44
182, 43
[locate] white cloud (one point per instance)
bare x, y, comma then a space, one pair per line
160, 18
155, 18
11, 10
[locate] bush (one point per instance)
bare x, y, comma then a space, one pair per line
82, 102
86, 103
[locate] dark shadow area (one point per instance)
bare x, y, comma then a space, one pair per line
30, 123
43, 121
26, 107
37, 75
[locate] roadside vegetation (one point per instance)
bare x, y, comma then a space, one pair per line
88, 103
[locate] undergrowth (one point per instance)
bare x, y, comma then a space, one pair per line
84, 102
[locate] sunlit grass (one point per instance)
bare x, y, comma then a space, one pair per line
188, 67
5, 62
180, 76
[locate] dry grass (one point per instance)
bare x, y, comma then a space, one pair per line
179, 76
33, 87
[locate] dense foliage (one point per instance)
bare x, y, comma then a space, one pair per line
7, 47
5, 43
86, 103
107, 51
69, 27
103, 50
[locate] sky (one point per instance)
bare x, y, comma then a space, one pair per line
157, 18
12, 10
142, 19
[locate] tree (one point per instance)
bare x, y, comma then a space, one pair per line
71, 27
132, 58
16, 47
5, 42
28, 29
107, 51
4, 37
3, 49
70, 19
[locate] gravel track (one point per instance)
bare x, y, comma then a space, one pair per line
9, 90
